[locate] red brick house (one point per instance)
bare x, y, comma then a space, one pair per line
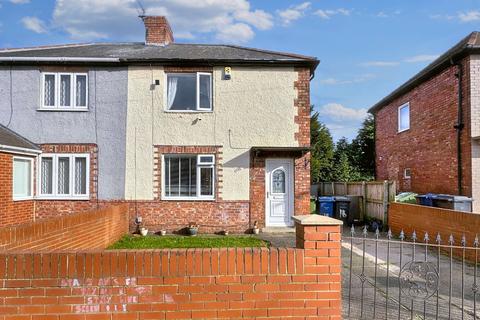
427, 131
17, 165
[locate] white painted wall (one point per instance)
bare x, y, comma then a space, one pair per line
475, 128
254, 108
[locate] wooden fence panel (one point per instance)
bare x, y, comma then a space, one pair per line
376, 195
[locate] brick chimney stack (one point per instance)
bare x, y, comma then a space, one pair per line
157, 31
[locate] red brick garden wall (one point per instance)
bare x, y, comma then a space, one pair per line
421, 219
87, 230
429, 148
11, 212
273, 283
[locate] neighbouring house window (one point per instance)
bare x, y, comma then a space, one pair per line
407, 173
189, 91
22, 178
65, 91
404, 117
64, 176
188, 176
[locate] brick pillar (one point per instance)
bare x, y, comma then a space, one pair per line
320, 237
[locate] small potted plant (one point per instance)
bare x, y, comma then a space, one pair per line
143, 231
256, 229
192, 229
163, 232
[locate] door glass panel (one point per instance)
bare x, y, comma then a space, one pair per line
278, 181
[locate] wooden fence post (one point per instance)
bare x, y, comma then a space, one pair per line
333, 188
386, 196
364, 200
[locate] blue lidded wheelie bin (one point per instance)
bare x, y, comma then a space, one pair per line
325, 206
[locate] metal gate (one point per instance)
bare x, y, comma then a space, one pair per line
409, 278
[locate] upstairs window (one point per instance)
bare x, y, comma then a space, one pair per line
188, 177
404, 117
22, 178
64, 176
189, 91
64, 91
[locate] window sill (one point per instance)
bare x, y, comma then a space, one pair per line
62, 198
400, 131
22, 199
64, 109
187, 199
188, 111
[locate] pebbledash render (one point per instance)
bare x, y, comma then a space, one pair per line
216, 135
427, 131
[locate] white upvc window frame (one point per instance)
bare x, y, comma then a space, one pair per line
403, 106
199, 196
31, 196
55, 195
198, 108
73, 92
405, 175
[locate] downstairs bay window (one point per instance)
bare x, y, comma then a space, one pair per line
64, 176
188, 177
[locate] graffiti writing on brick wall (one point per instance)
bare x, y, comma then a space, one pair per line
105, 294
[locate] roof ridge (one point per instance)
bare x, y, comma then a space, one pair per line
288, 54
66, 45
34, 145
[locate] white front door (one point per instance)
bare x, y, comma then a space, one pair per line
279, 192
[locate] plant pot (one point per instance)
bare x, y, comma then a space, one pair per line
144, 231
256, 230
193, 231
163, 232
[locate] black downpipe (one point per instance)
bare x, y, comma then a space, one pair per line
459, 126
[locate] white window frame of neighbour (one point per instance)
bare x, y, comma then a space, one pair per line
200, 165
409, 175
71, 195
31, 178
198, 108
403, 106
73, 92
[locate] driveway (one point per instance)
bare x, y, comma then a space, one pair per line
447, 307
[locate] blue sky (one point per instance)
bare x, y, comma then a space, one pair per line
367, 48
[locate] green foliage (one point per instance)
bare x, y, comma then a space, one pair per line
322, 150
158, 242
345, 161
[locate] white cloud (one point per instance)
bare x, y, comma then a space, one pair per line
228, 20
293, 13
34, 24
327, 14
20, 1
422, 58
335, 81
341, 120
380, 64
469, 16
241, 32
340, 113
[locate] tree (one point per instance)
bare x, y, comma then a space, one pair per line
362, 149
322, 150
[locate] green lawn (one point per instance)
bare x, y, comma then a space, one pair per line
158, 242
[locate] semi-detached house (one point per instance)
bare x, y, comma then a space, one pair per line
218, 135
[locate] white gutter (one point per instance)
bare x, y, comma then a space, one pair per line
57, 59
18, 150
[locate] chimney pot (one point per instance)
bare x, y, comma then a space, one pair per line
157, 31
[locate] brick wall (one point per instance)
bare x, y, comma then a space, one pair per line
421, 219
429, 148
11, 212
475, 127
275, 283
87, 230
